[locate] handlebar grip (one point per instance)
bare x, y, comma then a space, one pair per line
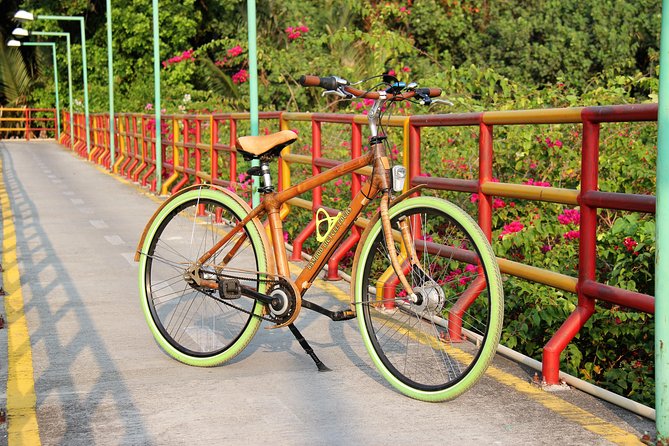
328, 83
431, 92
309, 81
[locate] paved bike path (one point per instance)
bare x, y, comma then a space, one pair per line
99, 378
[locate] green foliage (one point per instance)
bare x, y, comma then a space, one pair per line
15, 80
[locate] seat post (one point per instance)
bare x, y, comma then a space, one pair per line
266, 178
262, 171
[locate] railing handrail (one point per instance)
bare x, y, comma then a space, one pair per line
32, 125
186, 152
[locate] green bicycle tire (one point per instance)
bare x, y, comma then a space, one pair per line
376, 340
248, 328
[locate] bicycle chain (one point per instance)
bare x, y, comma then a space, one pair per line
270, 282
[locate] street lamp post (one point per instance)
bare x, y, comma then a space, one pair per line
20, 32
110, 80
156, 94
55, 78
28, 16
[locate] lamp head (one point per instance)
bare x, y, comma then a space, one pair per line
20, 32
24, 16
13, 42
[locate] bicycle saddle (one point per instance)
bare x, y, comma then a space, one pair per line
265, 144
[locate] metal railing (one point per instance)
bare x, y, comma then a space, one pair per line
198, 148
28, 123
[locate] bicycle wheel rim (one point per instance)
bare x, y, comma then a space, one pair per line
211, 341
408, 335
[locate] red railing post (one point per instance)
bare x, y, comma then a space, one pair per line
316, 194
485, 175
351, 240
198, 151
233, 152
414, 151
138, 151
587, 256
27, 118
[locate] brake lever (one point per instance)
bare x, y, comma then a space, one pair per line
339, 93
442, 101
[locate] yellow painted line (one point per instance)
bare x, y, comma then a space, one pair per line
21, 416
565, 409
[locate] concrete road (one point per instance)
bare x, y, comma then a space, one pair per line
99, 378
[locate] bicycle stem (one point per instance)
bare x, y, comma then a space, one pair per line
381, 160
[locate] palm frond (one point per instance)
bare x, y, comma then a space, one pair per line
15, 80
217, 81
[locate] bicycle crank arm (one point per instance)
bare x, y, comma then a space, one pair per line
342, 315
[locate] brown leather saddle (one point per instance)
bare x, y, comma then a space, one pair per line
265, 146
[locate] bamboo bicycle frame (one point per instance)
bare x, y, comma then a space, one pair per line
272, 203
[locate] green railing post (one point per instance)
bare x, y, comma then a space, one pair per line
662, 242
110, 80
253, 88
156, 93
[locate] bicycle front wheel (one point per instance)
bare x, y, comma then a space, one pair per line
193, 324
437, 347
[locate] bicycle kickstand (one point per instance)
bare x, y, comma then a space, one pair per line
307, 348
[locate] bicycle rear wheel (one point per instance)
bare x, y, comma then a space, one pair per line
195, 325
436, 348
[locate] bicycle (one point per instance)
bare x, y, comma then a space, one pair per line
425, 287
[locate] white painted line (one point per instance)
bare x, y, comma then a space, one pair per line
77, 201
114, 240
68, 192
99, 224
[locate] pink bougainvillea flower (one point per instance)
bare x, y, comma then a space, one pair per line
186, 55
571, 235
630, 243
295, 32
511, 228
569, 216
235, 51
240, 77
531, 182
498, 203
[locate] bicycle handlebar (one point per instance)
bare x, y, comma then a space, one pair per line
334, 83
